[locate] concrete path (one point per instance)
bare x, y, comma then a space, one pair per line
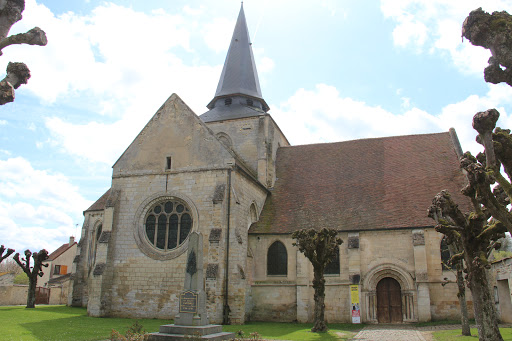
390, 333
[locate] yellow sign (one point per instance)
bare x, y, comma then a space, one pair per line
354, 300
354, 294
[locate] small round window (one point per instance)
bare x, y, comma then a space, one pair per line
167, 224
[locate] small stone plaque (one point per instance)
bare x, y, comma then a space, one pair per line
188, 302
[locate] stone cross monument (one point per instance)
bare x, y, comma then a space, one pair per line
192, 319
192, 306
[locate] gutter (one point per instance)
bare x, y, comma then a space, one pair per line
227, 310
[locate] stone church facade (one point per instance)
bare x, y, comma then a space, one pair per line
232, 175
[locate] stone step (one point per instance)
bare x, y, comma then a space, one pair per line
178, 337
190, 330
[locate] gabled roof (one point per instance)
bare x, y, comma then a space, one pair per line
239, 76
369, 184
99, 205
63, 248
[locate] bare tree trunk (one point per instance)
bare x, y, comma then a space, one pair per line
319, 316
31, 295
461, 295
483, 303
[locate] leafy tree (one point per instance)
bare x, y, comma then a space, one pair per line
21, 278
320, 248
32, 271
17, 73
7, 253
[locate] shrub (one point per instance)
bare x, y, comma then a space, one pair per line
21, 278
135, 332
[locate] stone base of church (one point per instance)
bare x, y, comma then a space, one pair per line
172, 332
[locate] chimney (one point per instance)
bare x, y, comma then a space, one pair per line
71, 240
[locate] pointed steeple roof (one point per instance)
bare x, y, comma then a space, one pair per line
239, 76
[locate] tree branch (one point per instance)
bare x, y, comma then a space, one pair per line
8, 252
35, 36
17, 74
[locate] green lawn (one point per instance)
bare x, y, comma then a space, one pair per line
62, 323
295, 331
67, 323
456, 335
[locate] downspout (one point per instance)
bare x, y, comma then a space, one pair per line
227, 310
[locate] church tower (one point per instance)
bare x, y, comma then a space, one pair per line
238, 112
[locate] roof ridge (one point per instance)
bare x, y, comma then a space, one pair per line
364, 138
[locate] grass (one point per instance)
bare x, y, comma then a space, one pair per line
296, 331
456, 335
62, 323
68, 323
441, 322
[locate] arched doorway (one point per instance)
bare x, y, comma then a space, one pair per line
389, 301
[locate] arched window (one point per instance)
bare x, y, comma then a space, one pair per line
445, 256
333, 267
277, 260
168, 224
96, 238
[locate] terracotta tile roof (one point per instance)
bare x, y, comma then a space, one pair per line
99, 205
63, 248
369, 184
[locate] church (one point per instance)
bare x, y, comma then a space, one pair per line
231, 175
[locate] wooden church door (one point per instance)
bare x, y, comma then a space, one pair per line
389, 301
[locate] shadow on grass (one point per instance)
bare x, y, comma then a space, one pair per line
61, 309
84, 327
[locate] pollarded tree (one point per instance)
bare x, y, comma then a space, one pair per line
454, 248
477, 233
32, 272
493, 32
17, 73
8, 252
320, 248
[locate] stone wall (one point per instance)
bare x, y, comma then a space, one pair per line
59, 295
501, 286
13, 295
412, 257
255, 140
144, 285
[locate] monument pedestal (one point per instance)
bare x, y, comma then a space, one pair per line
173, 332
192, 309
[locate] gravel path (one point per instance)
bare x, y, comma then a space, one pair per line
391, 333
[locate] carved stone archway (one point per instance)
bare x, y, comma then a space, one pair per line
408, 291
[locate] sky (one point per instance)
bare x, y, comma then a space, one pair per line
330, 71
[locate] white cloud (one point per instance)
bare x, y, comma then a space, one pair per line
126, 72
104, 142
321, 115
410, 31
103, 53
38, 208
3, 122
216, 34
435, 26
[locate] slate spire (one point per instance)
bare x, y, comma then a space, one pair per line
239, 75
